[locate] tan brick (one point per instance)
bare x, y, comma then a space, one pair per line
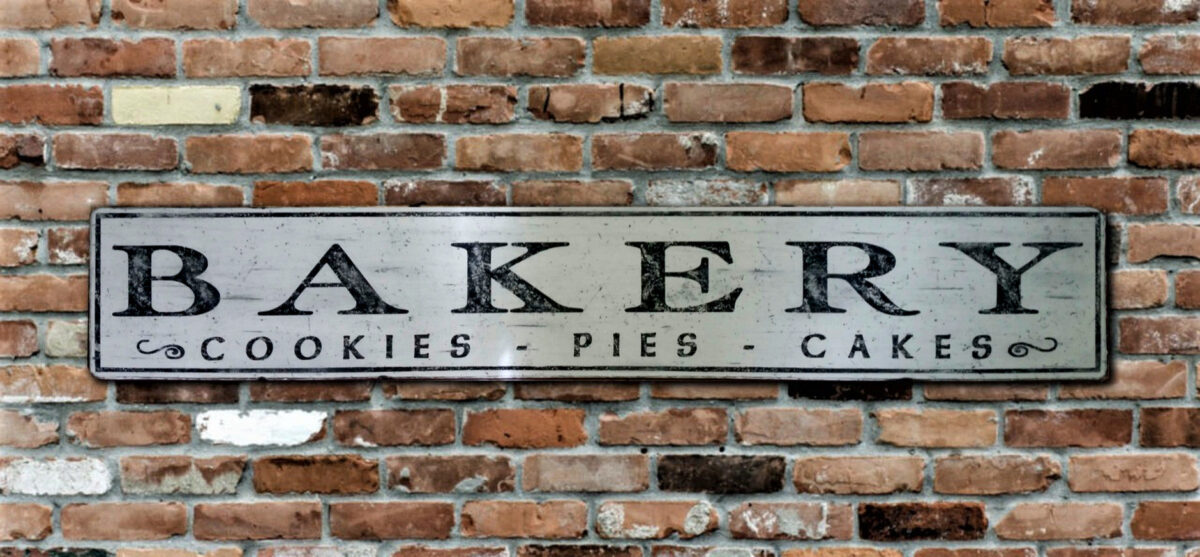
1166, 520
286, 14
1056, 149
787, 151
855, 193
186, 194
257, 521
115, 151
572, 193
1001, 191
520, 152
799, 426
920, 151
791, 521
908, 101
1134, 379
862, 475
49, 383
176, 14
505, 57
25, 521
431, 520
525, 428
994, 475
18, 247
1170, 54
1187, 289
41, 293
49, 14
678, 426
653, 151
249, 154
252, 57
1159, 335
727, 102
453, 104
451, 13
319, 193
451, 474
655, 520
391, 55
656, 55
907, 427
1060, 521
590, 102
1125, 473
929, 56
586, 473
1091, 55
123, 521
26, 431
561, 519
121, 429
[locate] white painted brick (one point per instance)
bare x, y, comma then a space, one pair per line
157, 106
55, 476
260, 427
66, 339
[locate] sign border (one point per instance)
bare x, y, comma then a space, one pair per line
660, 372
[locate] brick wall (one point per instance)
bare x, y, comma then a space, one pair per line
599, 102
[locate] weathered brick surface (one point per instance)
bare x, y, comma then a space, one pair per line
614, 103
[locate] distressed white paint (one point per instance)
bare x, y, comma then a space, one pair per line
260, 427
55, 476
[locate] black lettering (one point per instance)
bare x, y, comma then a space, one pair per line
898, 347
461, 346
366, 300
205, 296
480, 275
316, 351
581, 341
350, 347
648, 345
421, 346
982, 345
687, 345
654, 275
204, 349
860, 345
816, 278
270, 347
942, 345
804, 346
1008, 278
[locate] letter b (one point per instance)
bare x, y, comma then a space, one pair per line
141, 282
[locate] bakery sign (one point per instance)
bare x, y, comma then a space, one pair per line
835, 294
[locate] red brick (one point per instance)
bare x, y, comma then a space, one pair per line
571, 391
714, 390
23, 148
1134, 379
443, 390
976, 392
1148, 241
374, 55
792, 55
176, 14
1187, 289
75, 57
1015, 100
996, 13
799, 426
123, 521
51, 105
452, 474
562, 519
920, 151
1133, 473
129, 429
1132, 12
970, 191
115, 151
1166, 520
1160, 148
39, 293
383, 151
186, 194
67, 246
453, 104
727, 102
25, 431
791, 521
876, 102
862, 475
678, 426
906, 427
1133, 196
572, 193
598, 473
520, 152
587, 13
655, 520
338, 474
525, 428
310, 391
286, 14
787, 151
862, 12
48, 384
372, 428
249, 154
452, 14
853, 193
929, 56
25, 521
18, 247
505, 57
739, 13
319, 193
1061, 521
663, 54
19, 57
1085, 427
590, 102
653, 151
1160, 335
1056, 149
444, 193
427, 520
257, 521
994, 475
1170, 54
252, 57
1090, 55
22, 14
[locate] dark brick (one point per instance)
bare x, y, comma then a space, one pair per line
1115, 100
579, 551
155, 392
316, 474
791, 55
1170, 427
921, 521
720, 474
1006, 100
313, 105
862, 12
867, 391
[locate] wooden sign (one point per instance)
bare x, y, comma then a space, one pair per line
838, 294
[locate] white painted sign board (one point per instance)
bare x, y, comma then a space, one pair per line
436, 293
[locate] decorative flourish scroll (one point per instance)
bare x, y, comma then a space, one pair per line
1021, 349
171, 351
